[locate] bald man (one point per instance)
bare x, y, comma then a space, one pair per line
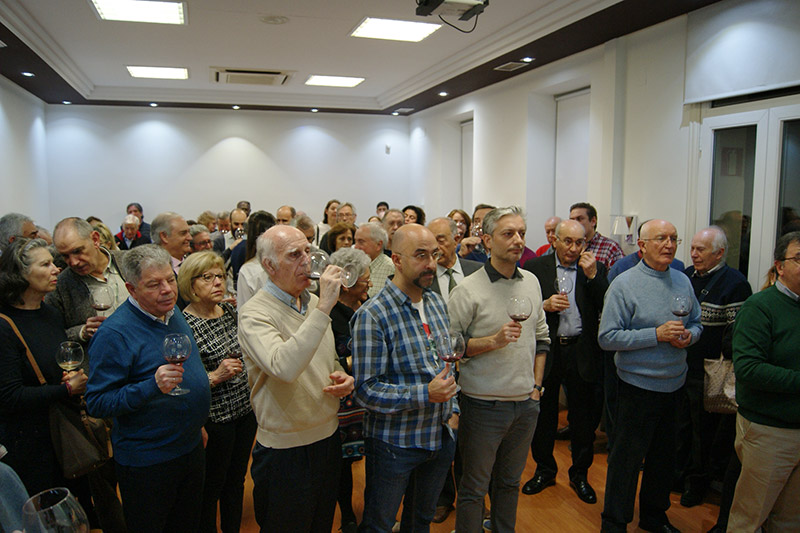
650, 344
550, 231
407, 389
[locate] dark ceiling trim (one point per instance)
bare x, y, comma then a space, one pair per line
613, 22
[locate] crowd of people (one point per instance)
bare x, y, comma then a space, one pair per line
307, 370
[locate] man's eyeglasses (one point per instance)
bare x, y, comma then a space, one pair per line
208, 278
795, 259
423, 256
661, 239
569, 243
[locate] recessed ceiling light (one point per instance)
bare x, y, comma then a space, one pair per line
394, 30
443, 93
28, 74
333, 81
235, 107
66, 102
155, 12
314, 110
161, 73
395, 113
153, 104
528, 59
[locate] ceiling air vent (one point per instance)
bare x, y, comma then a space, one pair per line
248, 76
510, 66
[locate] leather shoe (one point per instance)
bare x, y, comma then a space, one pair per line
584, 491
441, 514
537, 484
691, 497
663, 528
564, 433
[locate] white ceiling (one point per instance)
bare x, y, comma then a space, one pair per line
91, 54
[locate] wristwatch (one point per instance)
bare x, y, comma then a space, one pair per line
539, 388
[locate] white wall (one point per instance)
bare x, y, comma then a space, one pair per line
101, 158
23, 180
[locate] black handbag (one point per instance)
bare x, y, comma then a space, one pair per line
81, 442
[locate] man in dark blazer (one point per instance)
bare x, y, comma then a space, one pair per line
449, 265
575, 357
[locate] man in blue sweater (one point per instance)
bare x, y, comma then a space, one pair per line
157, 438
650, 346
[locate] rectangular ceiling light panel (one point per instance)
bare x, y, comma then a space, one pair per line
333, 81
151, 11
161, 73
394, 30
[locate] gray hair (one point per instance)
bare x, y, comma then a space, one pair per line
491, 218
351, 206
720, 240
81, 227
351, 256
138, 259
196, 229
162, 222
303, 222
450, 222
376, 232
11, 226
224, 215
131, 219
266, 248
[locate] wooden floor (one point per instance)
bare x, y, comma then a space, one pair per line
556, 509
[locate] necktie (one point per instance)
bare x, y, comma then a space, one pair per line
452, 284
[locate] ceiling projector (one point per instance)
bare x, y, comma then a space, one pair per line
463, 9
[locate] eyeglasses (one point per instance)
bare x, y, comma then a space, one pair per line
795, 259
208, 278
424, 257
203, 243
569, 243
661, 239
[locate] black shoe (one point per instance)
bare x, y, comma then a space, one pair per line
441, 514
717, 529
663, 528
564, 433
692, 497
537, 484
584, 491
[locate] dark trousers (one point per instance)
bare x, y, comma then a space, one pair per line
294, 489
585, 409
645, 431
227, 455
610, 379
164, 496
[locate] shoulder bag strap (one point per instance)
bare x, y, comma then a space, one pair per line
27, 350
714, 279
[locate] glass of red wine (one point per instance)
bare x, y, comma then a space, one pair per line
319, 261
519, 308
681, 306
102, 300
176, 349
450, 346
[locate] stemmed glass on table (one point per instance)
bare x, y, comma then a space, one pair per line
69, 355
320, 260
176, 349
681, 306
54, 511
102, 300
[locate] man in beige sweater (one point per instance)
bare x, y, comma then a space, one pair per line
296, 382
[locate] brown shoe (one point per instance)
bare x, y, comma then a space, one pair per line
441, 514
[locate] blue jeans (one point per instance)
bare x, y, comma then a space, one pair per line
389, 469
494, 441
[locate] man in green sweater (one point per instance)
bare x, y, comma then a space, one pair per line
767, 365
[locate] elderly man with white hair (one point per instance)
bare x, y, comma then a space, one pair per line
296, 382
131, 236
371, 238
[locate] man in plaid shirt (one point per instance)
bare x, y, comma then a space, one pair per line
405, 387
604, 249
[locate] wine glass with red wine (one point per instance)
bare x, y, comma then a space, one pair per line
176, 349
681, 306
450, 346
102, 300
519, 308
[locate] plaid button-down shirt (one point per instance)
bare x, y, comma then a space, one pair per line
393, 362
605, 250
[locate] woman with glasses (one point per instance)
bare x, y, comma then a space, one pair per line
350, 415
231, 426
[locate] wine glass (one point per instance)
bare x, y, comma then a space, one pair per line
69, 355
519, 308
681, 306
102, 299
238, 233
234, 352
176, 349
450, 346
319, 261
54, 510
563, 284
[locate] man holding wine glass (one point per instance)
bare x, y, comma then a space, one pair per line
93, 286
573, 310
650, 344
501, 374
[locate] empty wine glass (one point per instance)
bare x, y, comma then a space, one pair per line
519, 308
176, 349
102, 299
319, 261
563, 284
238, 233
54, 510
69, 355
450, 346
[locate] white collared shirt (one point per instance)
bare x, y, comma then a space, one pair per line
444, 279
